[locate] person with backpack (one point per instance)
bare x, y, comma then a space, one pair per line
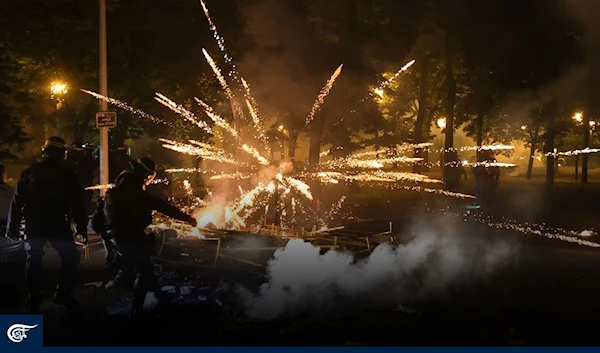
128, 212
49, 198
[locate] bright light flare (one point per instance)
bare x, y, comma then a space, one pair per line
441, 123
58, 89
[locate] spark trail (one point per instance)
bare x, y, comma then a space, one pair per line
220, 42
186, 114
127, 107
324, 93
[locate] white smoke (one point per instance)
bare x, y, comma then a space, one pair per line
301, 280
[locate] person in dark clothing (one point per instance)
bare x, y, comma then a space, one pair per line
483, 176
125, 274
48, 197
119, 160
128, 213
494, 172
84, 165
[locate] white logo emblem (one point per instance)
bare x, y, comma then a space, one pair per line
16, 332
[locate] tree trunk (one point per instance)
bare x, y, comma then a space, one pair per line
316, 137
419, 136
550, 136
531, 153
198, 178
479, 122
292, 146
586, 143
276, 215
314, 155
450, 95
576, 167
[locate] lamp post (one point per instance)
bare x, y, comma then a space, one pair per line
578, 118
592, 126
104, 91
441, 123
284, 135
57, 92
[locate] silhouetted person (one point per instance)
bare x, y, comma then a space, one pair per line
128, 214
48, 197
119, 161
494, 171
6, 194
482, 178
83, 163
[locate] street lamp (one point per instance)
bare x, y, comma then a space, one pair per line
524, 127
284, 135
578, 118
441, 123
57, 91
379, 92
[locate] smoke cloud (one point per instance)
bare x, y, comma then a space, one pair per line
439, 255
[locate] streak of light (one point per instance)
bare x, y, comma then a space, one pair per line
127, 107
324, 92
186, 114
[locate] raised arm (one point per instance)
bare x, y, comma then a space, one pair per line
169, 210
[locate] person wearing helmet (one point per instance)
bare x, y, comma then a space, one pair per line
128, 210
142, 170
49, 198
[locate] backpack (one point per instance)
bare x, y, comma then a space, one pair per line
98, 222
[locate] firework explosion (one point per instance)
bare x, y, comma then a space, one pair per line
274, 187
269, 179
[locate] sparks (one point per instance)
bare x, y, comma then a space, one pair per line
324, 92
125, 106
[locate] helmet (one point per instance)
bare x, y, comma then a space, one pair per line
54, 147
145, 167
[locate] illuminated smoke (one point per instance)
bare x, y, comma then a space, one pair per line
439, 256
